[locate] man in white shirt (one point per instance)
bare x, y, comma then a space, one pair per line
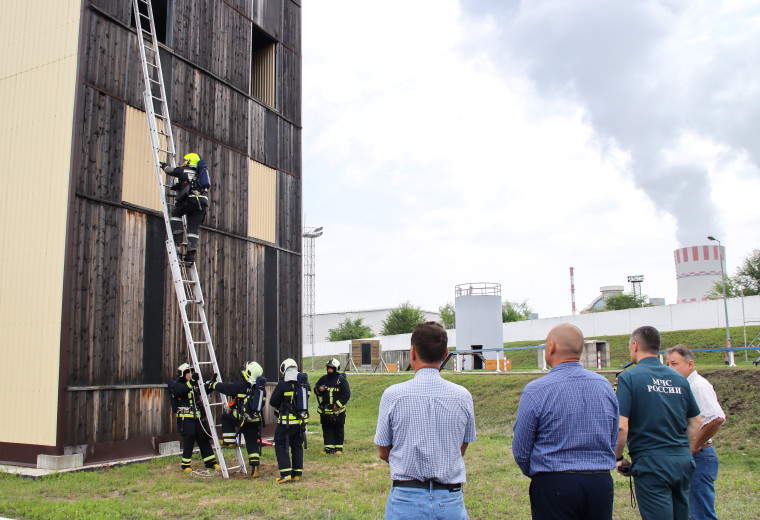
702, 492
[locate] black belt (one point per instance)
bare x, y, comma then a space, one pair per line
597, 472
427, 484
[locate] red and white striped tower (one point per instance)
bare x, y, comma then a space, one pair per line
697, 270
572, 289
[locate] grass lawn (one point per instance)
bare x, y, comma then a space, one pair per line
355, 486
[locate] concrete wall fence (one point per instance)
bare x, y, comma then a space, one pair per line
708, 314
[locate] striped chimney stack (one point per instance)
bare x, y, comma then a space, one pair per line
697, 270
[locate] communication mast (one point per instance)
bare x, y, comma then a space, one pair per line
309, 234
635, 281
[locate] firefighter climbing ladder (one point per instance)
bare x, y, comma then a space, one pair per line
186, 282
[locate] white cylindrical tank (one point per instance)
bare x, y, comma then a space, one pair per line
478, 320
697, 270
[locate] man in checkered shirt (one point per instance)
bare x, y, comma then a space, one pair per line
423, 428
566, 433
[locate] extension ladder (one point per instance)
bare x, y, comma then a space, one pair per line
187, 285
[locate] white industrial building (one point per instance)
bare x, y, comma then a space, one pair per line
373, 318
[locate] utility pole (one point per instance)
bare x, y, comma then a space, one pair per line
729, 353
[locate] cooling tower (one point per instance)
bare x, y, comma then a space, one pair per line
697, 270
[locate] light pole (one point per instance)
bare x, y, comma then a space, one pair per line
309, 235
730, 359
744, 323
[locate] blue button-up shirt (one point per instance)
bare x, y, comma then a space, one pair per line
566, 421
426, 420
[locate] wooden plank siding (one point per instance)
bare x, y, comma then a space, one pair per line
267, 14
252, 289
290, 319
291, 33
103, 121
220, 43
288, 212
289, 82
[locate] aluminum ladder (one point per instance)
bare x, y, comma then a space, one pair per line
187, 285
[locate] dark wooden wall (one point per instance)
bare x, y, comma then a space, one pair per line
126, 337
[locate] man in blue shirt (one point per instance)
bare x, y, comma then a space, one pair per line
658, 417
565, 434
423, 428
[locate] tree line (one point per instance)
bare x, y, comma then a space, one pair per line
403, 318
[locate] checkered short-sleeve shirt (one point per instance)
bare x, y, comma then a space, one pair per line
426, 420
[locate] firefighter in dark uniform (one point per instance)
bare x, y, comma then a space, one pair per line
238, 414
191, 420
332, 392
191, 201
289, 435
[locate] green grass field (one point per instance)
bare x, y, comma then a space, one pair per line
355, 486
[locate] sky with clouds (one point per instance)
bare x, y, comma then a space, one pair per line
455, 141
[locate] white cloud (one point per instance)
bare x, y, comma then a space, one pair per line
431, 158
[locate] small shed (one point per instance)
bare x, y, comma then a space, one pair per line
596, 354
365, 354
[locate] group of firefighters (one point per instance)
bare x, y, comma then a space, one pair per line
244, 415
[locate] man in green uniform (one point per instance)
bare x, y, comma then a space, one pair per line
658, 418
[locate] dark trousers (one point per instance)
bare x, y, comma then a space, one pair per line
250, 431
288, 440
194, 211
192, 432
571, 496
333, 426
662, 486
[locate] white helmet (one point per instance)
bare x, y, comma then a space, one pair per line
251, 371
288, 363
334, 364
184, 367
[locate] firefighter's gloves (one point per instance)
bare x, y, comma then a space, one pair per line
194, 378
211, 383
163, 165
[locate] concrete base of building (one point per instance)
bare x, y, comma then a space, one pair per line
60, 462
169, 448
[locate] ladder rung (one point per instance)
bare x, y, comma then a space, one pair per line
232, 467
204, 362
203, 343
217, 404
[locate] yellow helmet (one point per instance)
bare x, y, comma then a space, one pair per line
251, 371
192, 159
